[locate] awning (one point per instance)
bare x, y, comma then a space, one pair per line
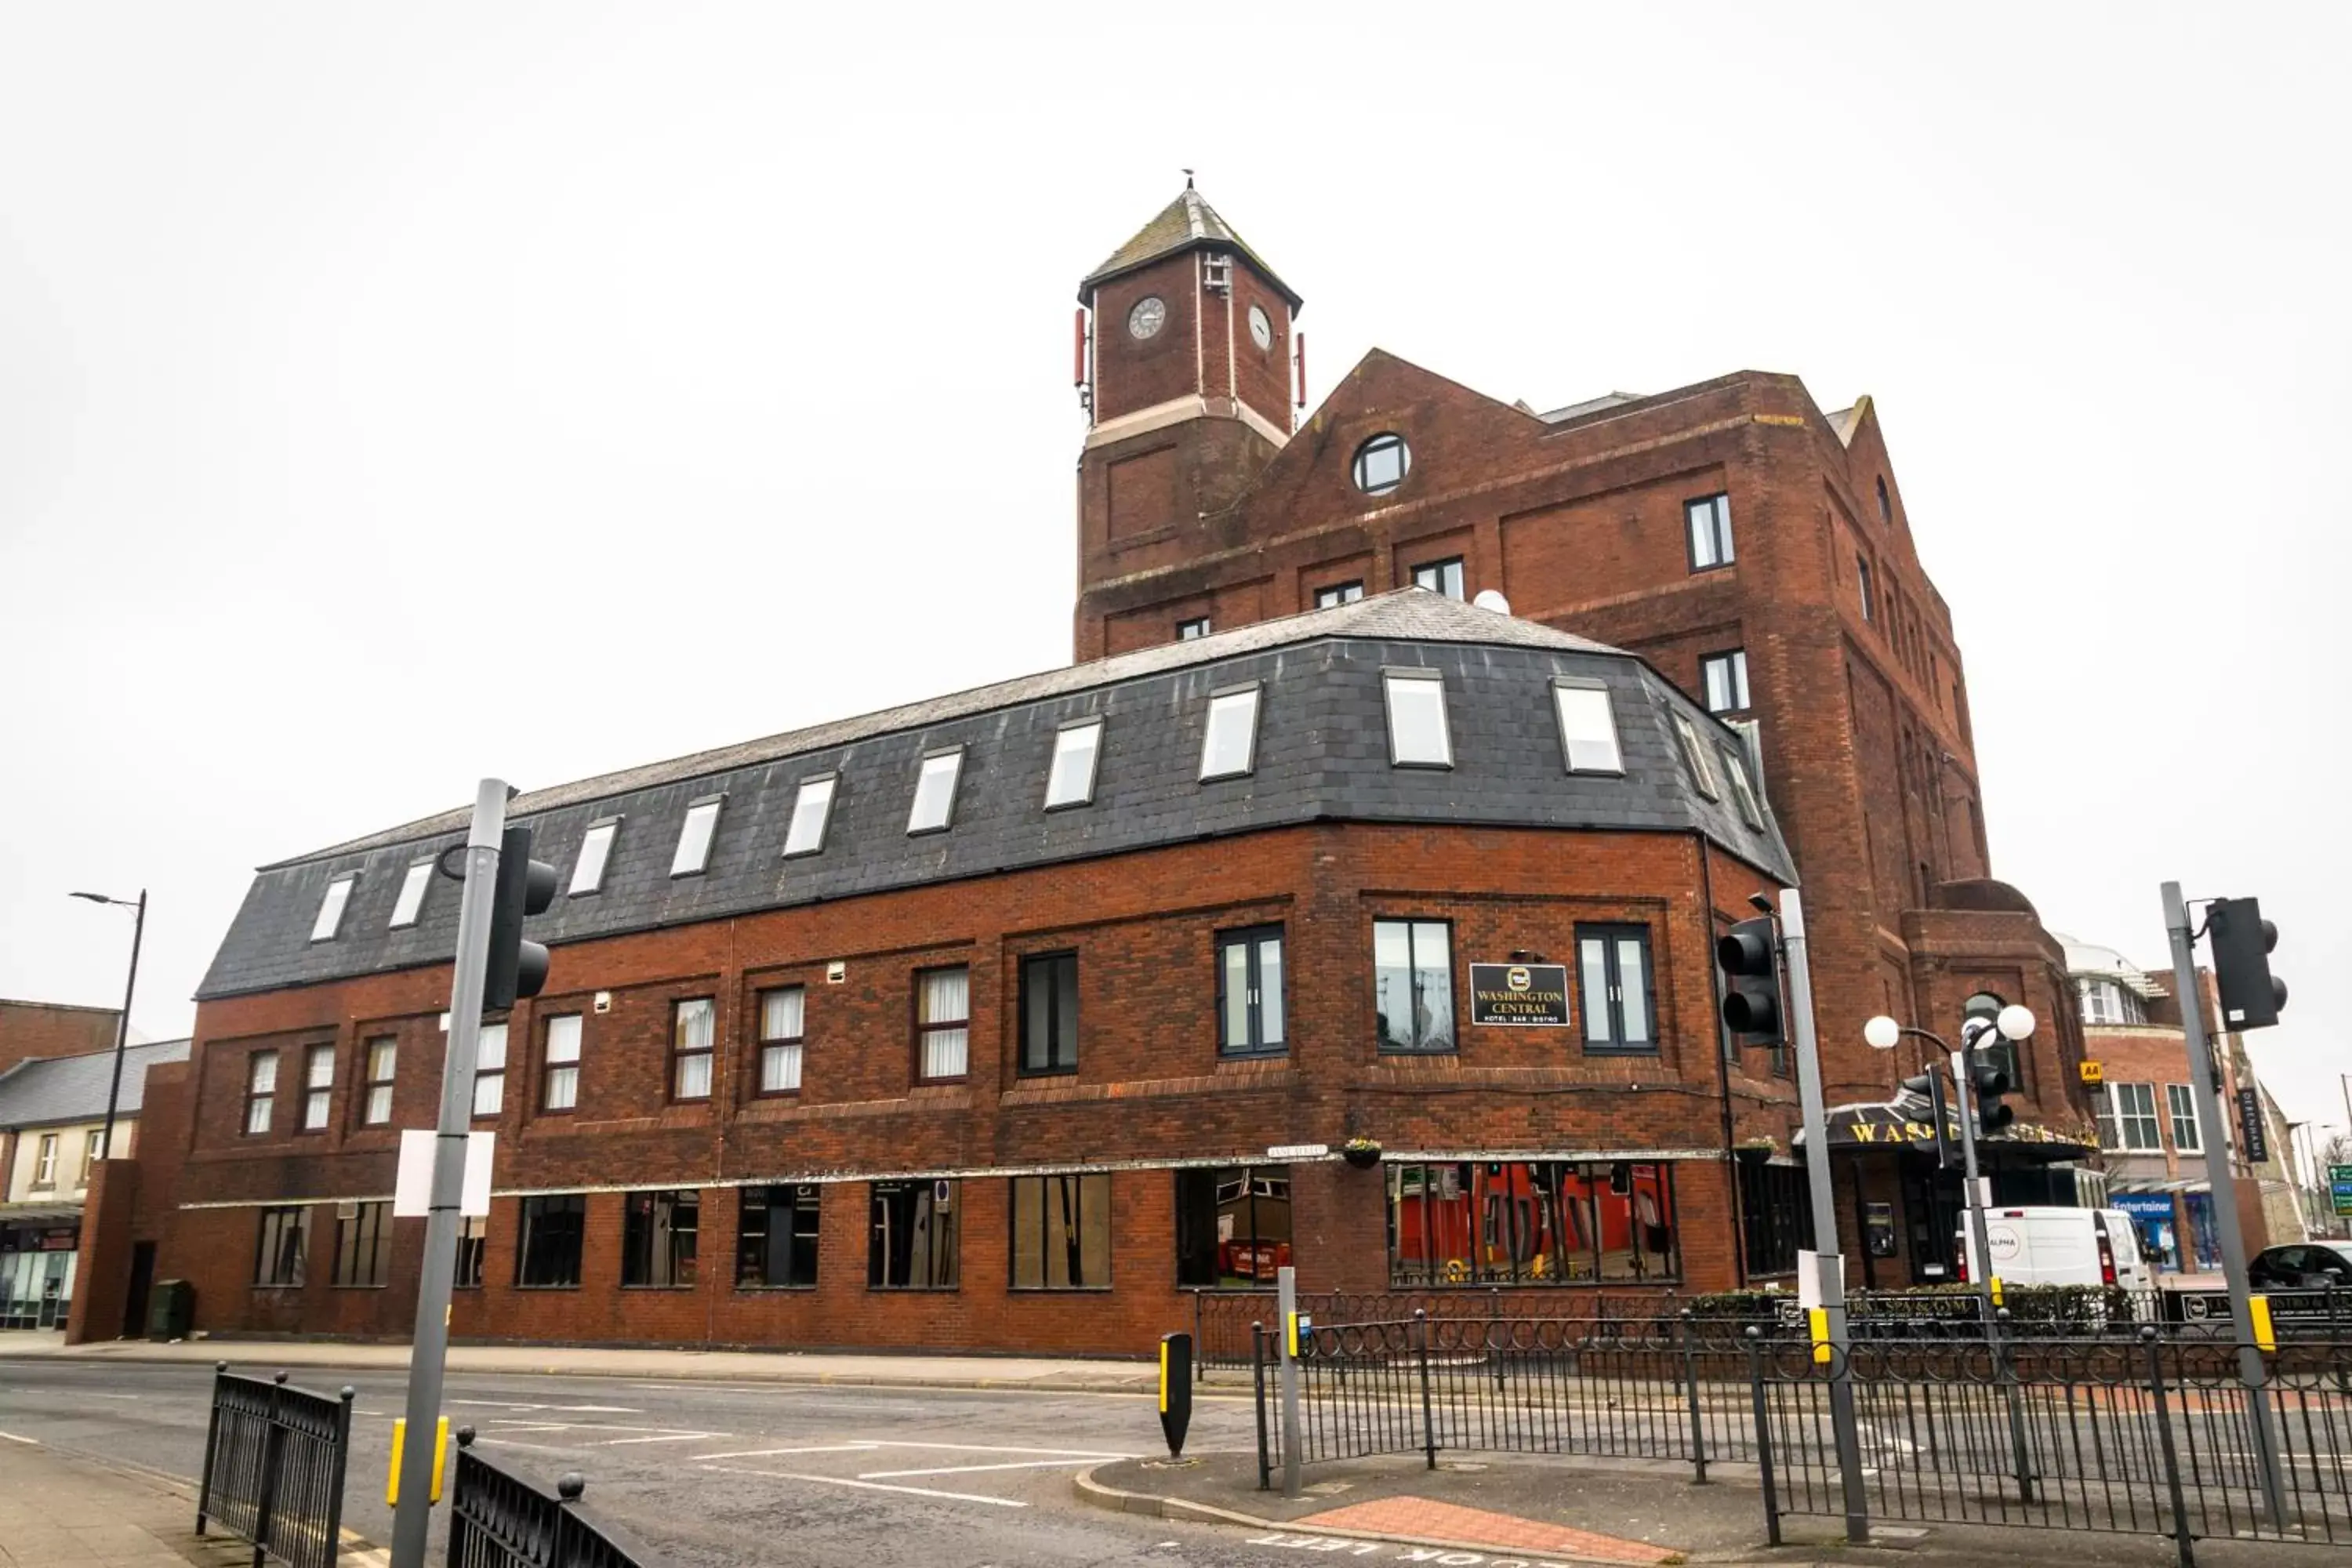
39, 1217
1909, 1122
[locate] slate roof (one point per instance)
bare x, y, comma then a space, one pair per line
45, 1090
1187, 223
1321, 754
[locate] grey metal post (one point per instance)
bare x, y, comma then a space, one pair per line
2201, 1077
412, 1518
1286, 1302
1979, 1238
122, 1029
1832, 1263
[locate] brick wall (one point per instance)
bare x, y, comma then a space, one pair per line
29, 1029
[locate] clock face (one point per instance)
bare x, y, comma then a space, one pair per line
1146, 318
1261, 330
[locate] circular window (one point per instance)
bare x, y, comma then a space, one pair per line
1261, 328
1381, 464
1151, 314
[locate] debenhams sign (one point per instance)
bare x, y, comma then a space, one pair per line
1532, 995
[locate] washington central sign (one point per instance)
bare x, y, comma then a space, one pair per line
1530, 995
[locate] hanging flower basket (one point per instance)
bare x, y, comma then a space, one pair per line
1755, 1152
1361, 1152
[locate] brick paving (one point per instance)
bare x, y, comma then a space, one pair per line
59, 1510
1434, 1521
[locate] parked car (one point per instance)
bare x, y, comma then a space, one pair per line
2306, 1266
2052, 1246
2309, 1285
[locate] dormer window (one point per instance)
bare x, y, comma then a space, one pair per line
934, 791
811, 809
1077, 748
595, 850
1743, 791
330, 907
1381, 464
1695, 755
405, 908
1229, 748
1587, 727
1417, 732
694, 836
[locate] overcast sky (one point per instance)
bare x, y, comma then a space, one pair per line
704, 371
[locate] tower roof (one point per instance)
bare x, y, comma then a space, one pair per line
1188, 223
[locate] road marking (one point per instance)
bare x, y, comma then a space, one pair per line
870, 1486
995, 1448
1014, 1465
29, 1442
769, 1453
554, 1409
665, 1437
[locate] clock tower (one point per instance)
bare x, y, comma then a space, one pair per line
1187, 353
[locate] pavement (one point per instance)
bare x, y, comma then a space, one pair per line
61, 1509
1072, 1375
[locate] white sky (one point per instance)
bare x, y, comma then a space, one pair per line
706, 369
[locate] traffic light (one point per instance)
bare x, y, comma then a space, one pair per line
1929, 1086
2242, 939
1749, 953
525, 887
1988, 1076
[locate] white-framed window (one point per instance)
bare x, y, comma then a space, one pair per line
562, 1092
1743, 789
490, 1070
935, 792
1440, 577
1588, 726
811, 809
260, 1090
783, 1014
383, 1058
1337, 594
595, 851
92, 1146
1724, 677
411, 902
1708, 518
943, 1022
2182, 1102
45, 1162
318, 1087
2128, 1119
1862, 583
330, 907
693, 836
694, 1031
1417, 733
1078, 747
1229, 745
2107, 1000
1695, 755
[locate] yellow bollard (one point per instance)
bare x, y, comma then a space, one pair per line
2258, 1309
1817, 1318
440, 1458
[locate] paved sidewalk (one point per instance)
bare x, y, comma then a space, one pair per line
727, 1366
61, 1509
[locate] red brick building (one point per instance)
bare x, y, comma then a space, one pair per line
973, 1024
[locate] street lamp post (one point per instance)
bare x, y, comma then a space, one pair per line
121, 1025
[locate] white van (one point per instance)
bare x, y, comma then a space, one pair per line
2060, 1246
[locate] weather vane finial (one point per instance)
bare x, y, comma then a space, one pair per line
1188, 179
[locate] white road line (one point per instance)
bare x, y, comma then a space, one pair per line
1014, 1465
29, 1442
767, 1453
869, 1486
997, 1448
665, 1437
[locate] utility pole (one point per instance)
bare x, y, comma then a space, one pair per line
412, 1520
1963, 1082
122, 1029
2201, 1083
1830, 1264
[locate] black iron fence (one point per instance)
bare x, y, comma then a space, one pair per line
274, 1459
2150, 1433
501, 1520
1222, 1318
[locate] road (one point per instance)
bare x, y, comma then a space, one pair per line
724, 1474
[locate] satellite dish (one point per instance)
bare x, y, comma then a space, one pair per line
1488, 599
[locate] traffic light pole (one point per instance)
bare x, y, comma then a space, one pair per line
2202, 1082
1963, 1086
412, 1518
1832, 1263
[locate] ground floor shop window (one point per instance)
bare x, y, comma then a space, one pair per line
1061, 1232
1233, 1225
473, 1237
1775, 1217
285, 1246
36, 1284
362, 1244
776, 1236
548, 1252
1546, 1222
912, 1244
658, 1237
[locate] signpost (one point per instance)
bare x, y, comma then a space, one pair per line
2339, 1187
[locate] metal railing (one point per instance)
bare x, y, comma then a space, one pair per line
274, 1459
501, 1520
1222, 1318
2152, 1435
